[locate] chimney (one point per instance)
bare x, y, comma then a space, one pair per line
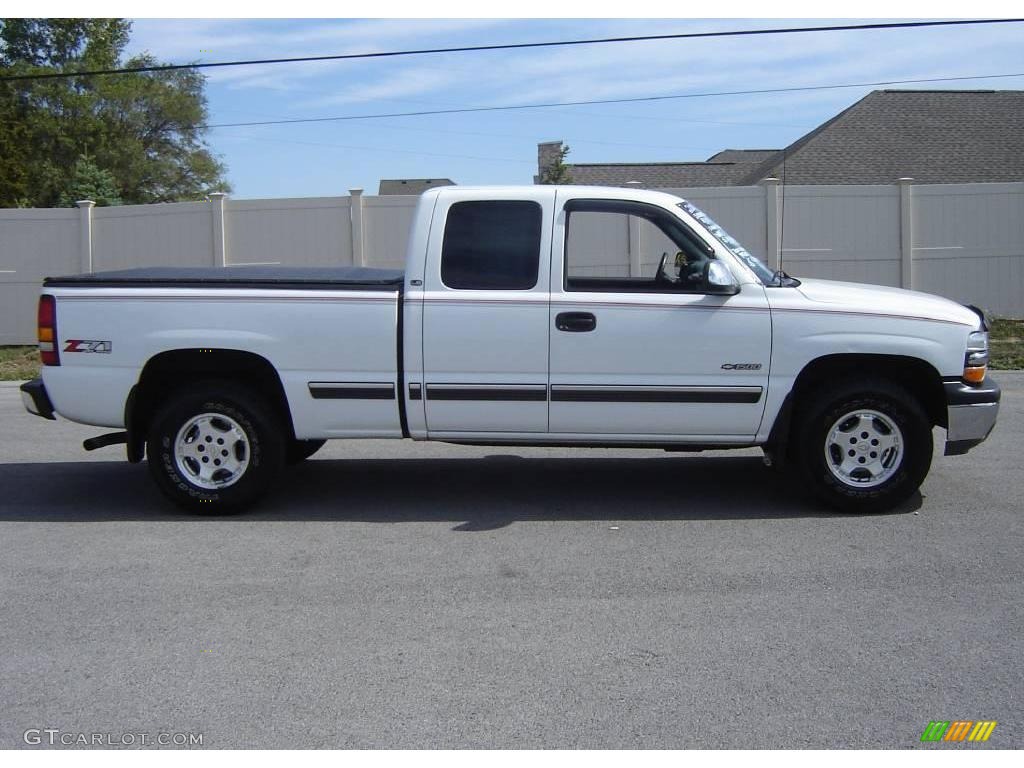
548, 154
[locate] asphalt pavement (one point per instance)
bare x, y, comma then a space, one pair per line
395, 594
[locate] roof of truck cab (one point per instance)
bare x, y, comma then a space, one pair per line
568, 190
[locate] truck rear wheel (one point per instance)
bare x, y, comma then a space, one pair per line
215, 447
864, 447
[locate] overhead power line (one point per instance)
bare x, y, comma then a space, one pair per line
512, 46
630, 100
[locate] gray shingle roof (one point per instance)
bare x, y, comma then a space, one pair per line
934, 137
410, 186
742, 155
720, 170
657, 175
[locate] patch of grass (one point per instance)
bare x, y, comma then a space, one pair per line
1006, 344
18, 363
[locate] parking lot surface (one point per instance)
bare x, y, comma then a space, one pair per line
393, 594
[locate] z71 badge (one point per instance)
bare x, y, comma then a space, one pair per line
80, 345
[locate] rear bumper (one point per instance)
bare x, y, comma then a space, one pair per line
971, 413
35, 399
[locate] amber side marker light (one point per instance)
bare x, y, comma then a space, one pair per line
975, 375
976, 359
47, 330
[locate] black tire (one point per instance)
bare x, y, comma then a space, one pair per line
300, 450
814, 423
261, 446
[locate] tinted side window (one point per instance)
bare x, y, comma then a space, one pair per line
491, 244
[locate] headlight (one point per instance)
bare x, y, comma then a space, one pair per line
976, 358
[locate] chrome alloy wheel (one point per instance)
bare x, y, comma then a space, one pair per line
864, 448
212, 451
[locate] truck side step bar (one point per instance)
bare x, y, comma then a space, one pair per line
102, 441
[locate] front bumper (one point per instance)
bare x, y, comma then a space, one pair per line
35, 399
971, 414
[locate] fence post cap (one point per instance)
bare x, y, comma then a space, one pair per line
356, 191
905, 180
85, 203
217, 195
769, 180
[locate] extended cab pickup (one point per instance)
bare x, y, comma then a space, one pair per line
522, 318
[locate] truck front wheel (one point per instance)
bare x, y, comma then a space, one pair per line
864, 447
215, 447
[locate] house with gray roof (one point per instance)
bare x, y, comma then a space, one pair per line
933, 137
410, 186
720, 170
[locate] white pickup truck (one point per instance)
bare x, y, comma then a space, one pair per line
520, 319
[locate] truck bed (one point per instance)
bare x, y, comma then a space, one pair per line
311, 278
330, 334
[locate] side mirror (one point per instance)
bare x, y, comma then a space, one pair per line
718, 280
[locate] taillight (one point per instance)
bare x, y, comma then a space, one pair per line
47, 330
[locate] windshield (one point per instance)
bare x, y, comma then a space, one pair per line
764, 274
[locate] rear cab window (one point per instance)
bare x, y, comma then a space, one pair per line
492, 245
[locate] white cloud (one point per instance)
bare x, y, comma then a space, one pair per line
316, 89
179, 40
406, 82
373, 34
562, 74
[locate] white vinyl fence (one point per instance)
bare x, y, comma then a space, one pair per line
965, 241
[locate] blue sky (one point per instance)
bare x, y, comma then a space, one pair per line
500, 148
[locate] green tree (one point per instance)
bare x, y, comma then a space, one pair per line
14, 137
558, 172
90, 182
144, 129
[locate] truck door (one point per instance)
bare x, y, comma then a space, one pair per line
485, 313
636, 355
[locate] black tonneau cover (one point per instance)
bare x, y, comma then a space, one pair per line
309, 278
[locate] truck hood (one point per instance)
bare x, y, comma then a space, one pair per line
877, 299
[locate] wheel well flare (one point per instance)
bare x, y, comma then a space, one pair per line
165, 372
